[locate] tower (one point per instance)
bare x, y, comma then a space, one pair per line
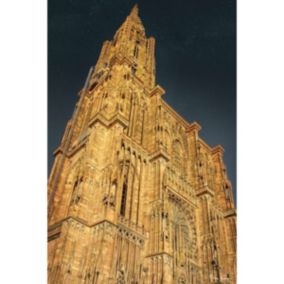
135, 195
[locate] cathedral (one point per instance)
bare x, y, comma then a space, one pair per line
135, 196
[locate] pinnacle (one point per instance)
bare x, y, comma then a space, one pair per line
135, 10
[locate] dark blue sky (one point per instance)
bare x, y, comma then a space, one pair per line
195, 60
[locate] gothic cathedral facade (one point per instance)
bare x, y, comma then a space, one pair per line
135, 195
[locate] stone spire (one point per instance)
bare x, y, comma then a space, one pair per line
134, 11
134, 17
130, 42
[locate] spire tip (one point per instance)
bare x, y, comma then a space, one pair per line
134, 10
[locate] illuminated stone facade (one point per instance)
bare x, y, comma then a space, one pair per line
135, 195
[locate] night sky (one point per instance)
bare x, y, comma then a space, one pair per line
195, 60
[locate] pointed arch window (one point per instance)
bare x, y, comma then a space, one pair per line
75, 185
133, 70
181, 237
123, 199
136, 51
177, 154
167, 141
76, 197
